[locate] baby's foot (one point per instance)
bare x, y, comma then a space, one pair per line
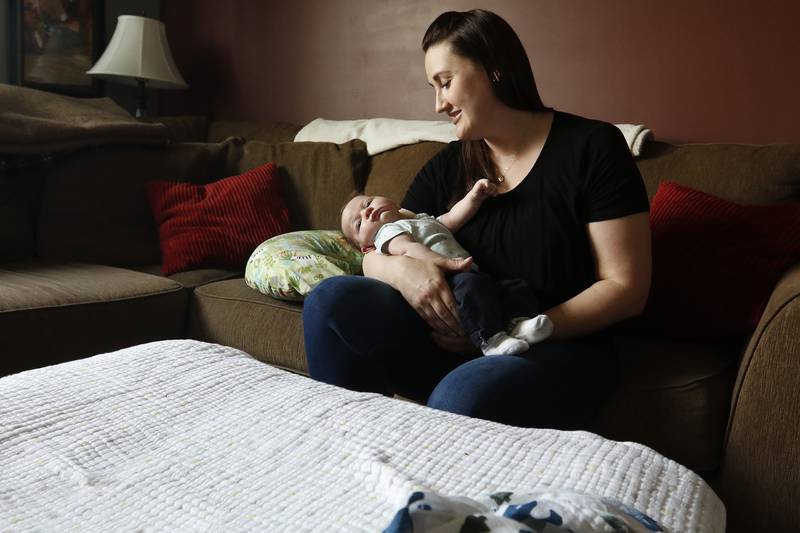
502, 344
531, 330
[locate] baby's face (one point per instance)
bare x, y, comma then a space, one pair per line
364, 215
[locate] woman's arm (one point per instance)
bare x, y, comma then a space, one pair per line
422, 284
621, 249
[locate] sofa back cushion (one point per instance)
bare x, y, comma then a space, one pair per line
184, 128
316, 177
745, 174
391, 172
94, 207
22, 180
268, 132
16, 221
748, 174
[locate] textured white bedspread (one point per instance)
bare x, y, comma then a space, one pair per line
189, 436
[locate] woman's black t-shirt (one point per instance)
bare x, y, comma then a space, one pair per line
538, 230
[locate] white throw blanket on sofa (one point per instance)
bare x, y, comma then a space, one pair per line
381, 134
188, 436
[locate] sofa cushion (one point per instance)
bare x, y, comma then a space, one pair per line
94, 207
268, 132
217, 225
54, 312
739, 173
317, 177
715, 262
16, 222
289, 266
391, 172
184, 128
231, 313
745, 174
673, 396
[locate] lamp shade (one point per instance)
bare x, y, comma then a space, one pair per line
139, 50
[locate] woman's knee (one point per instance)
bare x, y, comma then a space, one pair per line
556, 384
331, 291
338, 296
337, 338
363, 312
476, 388
361, 334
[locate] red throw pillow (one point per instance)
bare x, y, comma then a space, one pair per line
219, 224
715, 263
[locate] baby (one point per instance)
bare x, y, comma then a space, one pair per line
496, 314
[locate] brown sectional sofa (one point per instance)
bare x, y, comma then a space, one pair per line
79, 275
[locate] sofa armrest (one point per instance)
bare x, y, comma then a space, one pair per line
760, 480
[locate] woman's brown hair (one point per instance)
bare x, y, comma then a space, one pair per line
488, 40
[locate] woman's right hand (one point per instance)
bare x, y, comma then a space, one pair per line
423, 285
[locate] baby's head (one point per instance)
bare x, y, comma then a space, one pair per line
362, 216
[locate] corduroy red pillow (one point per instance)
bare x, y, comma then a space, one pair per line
715, 263
219, 224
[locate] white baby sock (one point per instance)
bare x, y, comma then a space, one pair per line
531, 330
502, 344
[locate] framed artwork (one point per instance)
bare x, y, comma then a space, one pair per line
57, 41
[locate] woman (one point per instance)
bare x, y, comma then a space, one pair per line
570, 219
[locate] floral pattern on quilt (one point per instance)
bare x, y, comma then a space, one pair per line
289, 266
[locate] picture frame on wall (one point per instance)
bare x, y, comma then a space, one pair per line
54, 43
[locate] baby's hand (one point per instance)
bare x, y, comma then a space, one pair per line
484, 188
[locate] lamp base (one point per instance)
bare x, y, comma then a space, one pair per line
141, 106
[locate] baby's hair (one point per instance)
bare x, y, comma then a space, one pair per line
350, 196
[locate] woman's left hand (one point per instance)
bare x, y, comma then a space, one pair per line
450, 343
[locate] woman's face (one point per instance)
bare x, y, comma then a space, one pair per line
463, 90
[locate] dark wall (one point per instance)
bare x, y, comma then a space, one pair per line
692, 71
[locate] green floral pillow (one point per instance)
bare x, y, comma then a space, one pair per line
288, 266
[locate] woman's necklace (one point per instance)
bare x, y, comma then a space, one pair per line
504, 172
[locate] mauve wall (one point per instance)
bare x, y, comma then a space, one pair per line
692, 70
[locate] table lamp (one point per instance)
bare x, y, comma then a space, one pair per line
139, 54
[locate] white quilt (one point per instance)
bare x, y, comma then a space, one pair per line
189, 436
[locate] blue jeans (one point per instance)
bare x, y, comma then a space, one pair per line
361, 334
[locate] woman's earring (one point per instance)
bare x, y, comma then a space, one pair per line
496, 76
